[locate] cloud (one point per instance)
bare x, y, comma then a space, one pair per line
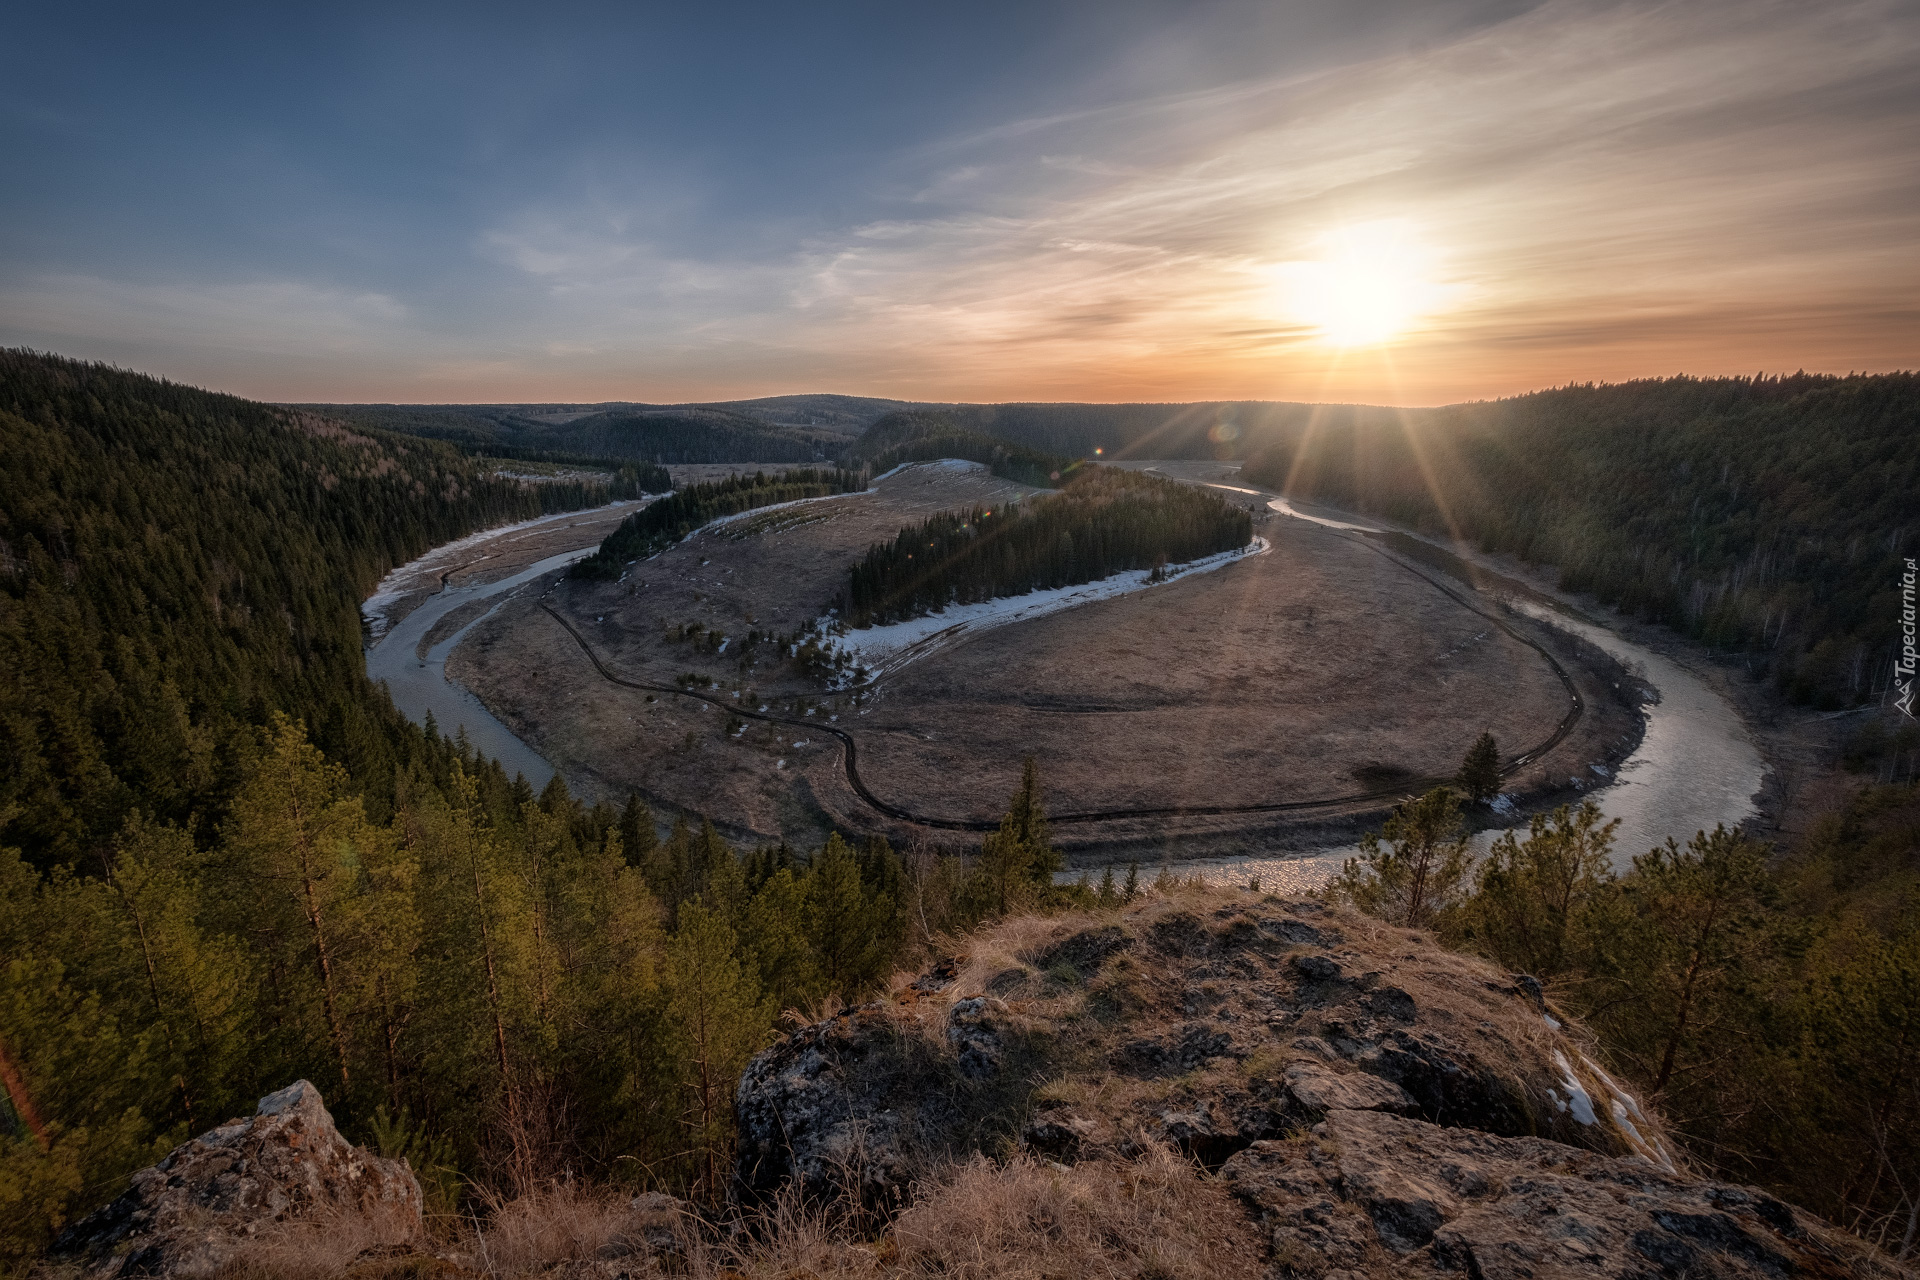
1608, 190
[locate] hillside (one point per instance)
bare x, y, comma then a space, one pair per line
1769, 517
176, 566
1196, 1085
802, 428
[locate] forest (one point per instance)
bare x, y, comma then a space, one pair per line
1765, 517
645, 433
1101, 522
663, 523
1769, 1005
916, 435
497, 985
177, 565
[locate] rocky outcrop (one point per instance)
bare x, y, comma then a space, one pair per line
1380, 1105
1365, 1193
195, 1210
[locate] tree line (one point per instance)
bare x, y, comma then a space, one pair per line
1768, 517
1102, 521
176, 566
920, 435
659, 525
1769, 1006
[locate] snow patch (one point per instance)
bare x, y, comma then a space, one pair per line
882, 650
1578, 1099
393, 588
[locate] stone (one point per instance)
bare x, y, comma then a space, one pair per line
191, 1213
1317, 1089
1389, 1196
1317, 968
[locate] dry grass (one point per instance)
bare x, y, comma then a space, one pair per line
1154, 1216
1157, 1216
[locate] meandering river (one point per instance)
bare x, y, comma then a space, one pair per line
420, 686
1695, 766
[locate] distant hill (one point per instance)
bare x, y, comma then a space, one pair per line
921, 435
812, 428
799, 428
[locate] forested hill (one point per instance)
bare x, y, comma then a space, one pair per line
1767, 516
177, 565
643, 433
923, 435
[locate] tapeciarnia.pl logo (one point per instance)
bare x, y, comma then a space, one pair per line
1903, 669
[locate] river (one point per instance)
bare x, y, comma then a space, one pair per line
1694, 767
420, 686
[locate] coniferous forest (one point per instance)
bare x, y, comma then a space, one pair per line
1101, 522
918, 435
226, 862
663, 523
1765, 516
175, 566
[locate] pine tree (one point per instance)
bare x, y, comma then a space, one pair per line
1533, 900
1417, 875
719, 1019
1479, 775
637, 835
777, 935
844, 923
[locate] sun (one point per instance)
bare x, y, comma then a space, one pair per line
1371, 283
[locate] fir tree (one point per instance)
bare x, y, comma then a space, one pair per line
1479, 776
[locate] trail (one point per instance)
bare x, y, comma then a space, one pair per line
902, 814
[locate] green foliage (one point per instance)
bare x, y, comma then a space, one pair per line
177, 565
1102, 522
1479, 776
399, 1137
1017, 863
1536, 904
1762, 515
659, 525
1416, 876
718, 1020
1773, 1012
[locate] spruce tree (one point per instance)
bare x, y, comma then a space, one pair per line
1479, 775
719, 1019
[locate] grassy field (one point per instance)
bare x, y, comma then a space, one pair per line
1321, 669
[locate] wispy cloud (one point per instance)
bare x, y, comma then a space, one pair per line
1609, 190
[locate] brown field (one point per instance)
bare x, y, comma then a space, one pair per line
1321, 669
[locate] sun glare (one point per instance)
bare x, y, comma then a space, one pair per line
1372, 282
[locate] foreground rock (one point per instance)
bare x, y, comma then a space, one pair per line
1374, 1194
217, 1193
1380, 1106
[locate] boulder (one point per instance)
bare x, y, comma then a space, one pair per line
1383, 1195
192, 1212
1383, 1107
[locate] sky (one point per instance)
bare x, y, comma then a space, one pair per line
1382, 201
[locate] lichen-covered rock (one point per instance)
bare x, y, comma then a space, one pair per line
1383, 1107
1381, 1195
190, 1214
823, 1108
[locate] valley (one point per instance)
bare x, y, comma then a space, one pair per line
1271, 706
